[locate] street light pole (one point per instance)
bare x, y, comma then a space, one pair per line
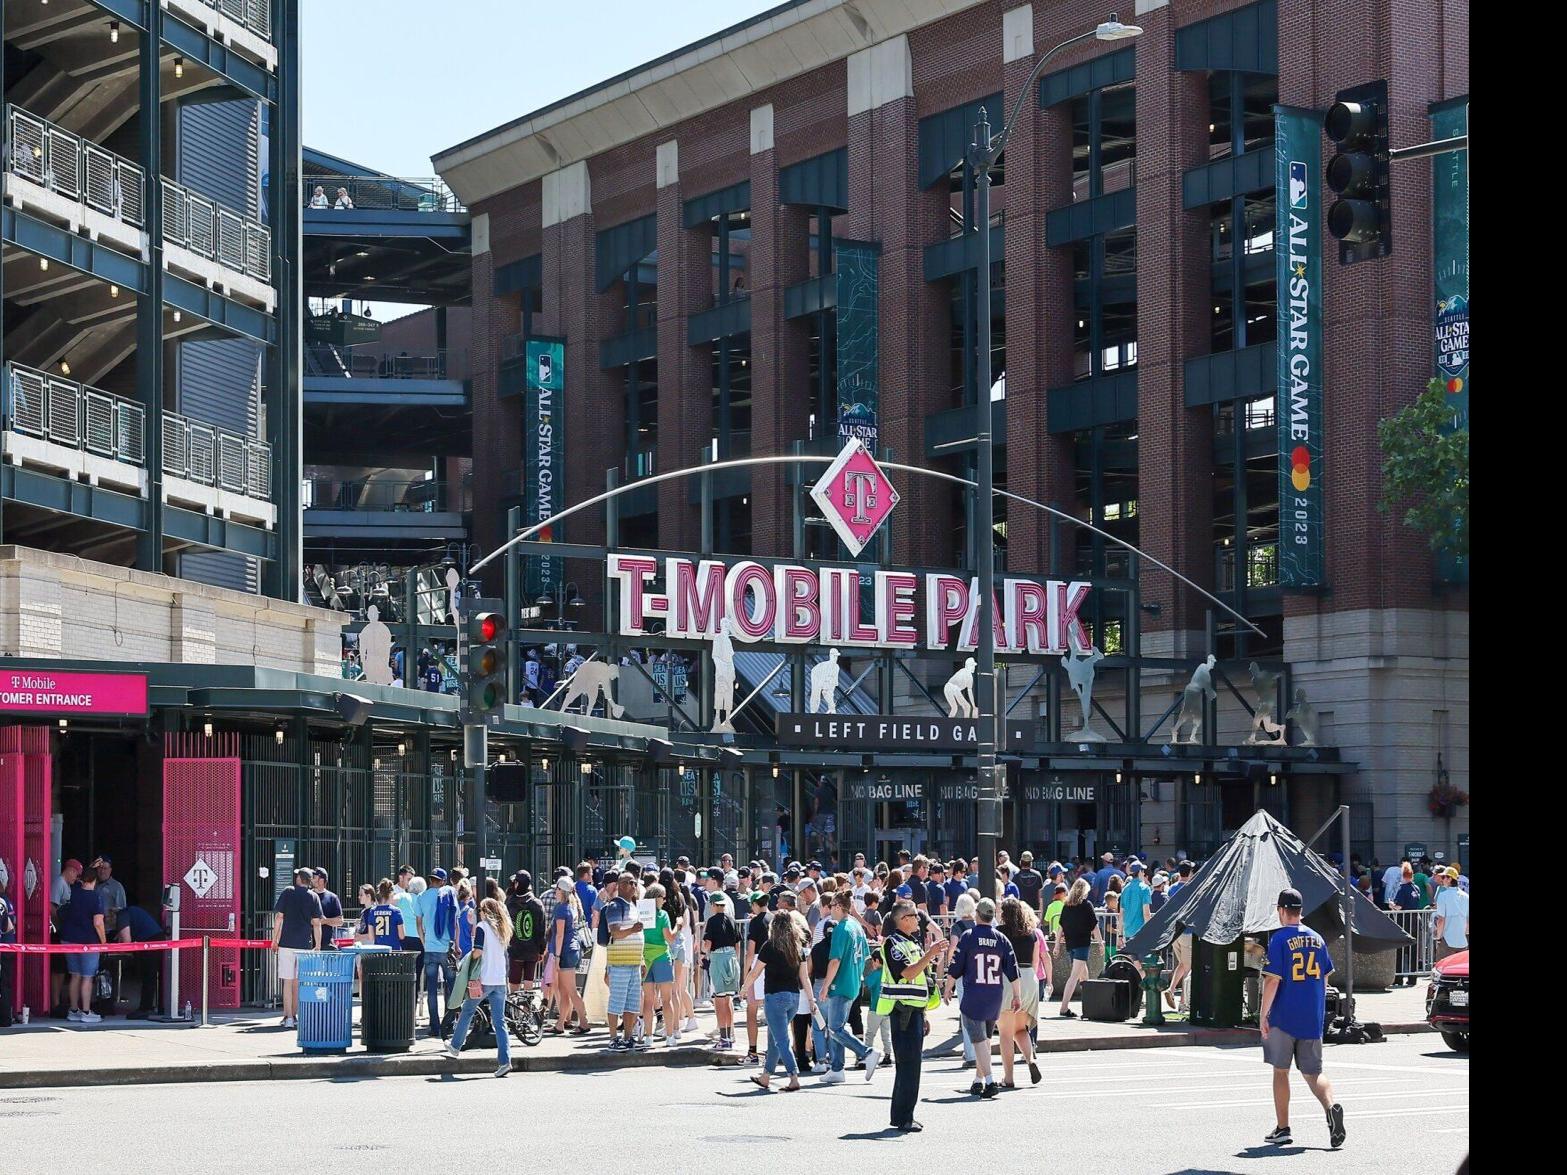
982, 157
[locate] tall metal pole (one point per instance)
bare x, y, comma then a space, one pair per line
989, 822
1349, 914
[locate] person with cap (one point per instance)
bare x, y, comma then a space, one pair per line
1136, 895
529, 931
1030, 884
720, 940
1100, 880
983, 958
565, 921
296, 926
906, 994
1451, 930
110, 891
936, 888
437, 912
1158, 896
1175, 992
1294, 1014
755, 939
331, 908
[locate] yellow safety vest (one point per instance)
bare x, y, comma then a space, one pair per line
918, 992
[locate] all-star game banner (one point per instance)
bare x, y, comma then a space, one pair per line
1450, 243
1298, 247
544, 455
858, 286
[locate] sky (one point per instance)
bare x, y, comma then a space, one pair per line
388, 83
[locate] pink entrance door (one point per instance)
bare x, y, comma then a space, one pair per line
201, 854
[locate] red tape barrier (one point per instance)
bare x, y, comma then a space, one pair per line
117, 948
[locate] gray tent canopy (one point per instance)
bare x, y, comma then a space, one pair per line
1237, 892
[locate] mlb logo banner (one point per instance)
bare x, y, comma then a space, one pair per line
1298, 187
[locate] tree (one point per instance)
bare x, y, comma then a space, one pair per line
1426, 465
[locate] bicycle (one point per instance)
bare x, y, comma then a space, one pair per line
525, 1016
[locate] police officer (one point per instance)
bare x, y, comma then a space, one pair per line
907, 992
1294, 1008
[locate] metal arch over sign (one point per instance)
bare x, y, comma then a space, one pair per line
855, 496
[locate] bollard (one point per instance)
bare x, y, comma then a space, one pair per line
206, 952
1153, 991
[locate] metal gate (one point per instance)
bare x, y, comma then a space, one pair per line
201, 846
729, 800
26, 803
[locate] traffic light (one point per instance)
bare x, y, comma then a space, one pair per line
1361, 217
483, 627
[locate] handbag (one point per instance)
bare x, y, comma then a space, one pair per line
475, 990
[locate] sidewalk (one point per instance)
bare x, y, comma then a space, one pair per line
249, 1046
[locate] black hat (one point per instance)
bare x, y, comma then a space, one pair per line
522, 879
716, 874
319, 872
817, 865
791, 873
1290, 899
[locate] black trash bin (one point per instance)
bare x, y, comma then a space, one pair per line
390, 984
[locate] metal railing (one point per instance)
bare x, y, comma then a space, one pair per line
1418, 957
213, 456
74, 415
353, 363
76, 168
255, 15
381, 193
340, 493
220, 234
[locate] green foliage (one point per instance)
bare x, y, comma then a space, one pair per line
1425, 467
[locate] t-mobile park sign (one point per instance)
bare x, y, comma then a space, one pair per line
793, 604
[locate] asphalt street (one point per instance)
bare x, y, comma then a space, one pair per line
1155, 1111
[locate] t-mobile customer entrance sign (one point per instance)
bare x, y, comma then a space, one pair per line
799, 605
46, 691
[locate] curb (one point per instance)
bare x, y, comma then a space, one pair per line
353, 1068
345, 1068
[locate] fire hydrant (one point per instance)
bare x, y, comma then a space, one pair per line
1153, 991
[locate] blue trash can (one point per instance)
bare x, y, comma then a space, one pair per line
326, 1000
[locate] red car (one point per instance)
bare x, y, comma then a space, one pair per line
1447, 1001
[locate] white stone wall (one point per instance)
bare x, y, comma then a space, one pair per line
58, 606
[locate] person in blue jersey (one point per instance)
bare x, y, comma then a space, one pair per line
986, 963
382, 923
1294, 1012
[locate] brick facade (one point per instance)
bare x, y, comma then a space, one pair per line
1378, 315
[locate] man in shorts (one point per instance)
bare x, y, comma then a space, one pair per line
1294, 1011
296, 926
624, 961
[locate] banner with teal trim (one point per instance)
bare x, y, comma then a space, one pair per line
1450, 264
544, 456
857, 274
1297, 245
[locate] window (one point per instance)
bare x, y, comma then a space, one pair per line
1244, 302
1104, 335
962, 319
1240, 112
731, 233
1104, 141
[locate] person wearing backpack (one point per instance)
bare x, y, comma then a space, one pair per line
529, 931
437, 907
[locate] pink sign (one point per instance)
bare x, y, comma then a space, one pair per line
855, 496
47, 691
